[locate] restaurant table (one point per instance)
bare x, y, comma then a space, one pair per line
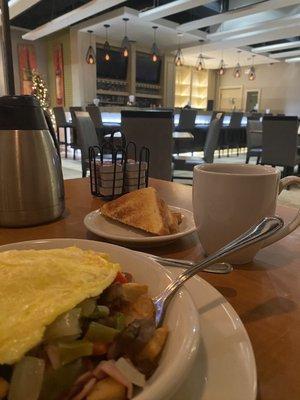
264, 293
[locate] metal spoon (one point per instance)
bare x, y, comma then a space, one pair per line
267, 227
217, 268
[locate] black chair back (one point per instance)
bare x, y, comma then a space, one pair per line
212, 139
280, 136
154, 130
60, 116
95, 115
72, 112
236, 120
187, 120
86, 136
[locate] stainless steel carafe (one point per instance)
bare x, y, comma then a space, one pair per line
32, 190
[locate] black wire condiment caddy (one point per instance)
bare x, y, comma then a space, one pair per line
113, 173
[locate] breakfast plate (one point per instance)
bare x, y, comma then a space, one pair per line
182, 318
221, 367
120, 233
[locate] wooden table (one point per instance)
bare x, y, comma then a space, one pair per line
265, 293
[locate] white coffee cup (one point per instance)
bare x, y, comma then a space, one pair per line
230, 198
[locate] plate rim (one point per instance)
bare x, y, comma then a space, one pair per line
145, 239
226, 308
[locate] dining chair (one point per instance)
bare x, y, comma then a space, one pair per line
254, 139
96, 117
152, 129
210, 146
231, 134
75, 145
61, 122
186, 126
87, 137
279, 142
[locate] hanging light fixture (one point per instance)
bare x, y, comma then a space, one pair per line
106, 44
125, 42
154, 48
178, 60
222, 68
237, 72
200, 65
252, 72
90, 55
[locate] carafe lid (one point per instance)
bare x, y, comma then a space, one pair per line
21, 113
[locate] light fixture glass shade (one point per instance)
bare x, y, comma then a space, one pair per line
200, 65
252, 73
222, 68
90, 56
178, 59
106, 48
125, 46
237, 71
154, 52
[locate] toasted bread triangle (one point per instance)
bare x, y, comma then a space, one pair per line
142, 209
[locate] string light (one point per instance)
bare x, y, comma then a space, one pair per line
40, 91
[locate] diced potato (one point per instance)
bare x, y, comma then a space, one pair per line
154, 347
4, 386
132, 291
142, 308
108, 389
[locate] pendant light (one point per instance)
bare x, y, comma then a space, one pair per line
178, 60
252, 72
106, 44
222, 67
200, 65
90, 55
125, 42
238, 69
154, 48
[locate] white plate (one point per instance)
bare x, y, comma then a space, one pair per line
182, 317
225, 366
120, 233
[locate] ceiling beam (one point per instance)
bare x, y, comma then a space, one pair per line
235, 14
285, 54
17, 7
258, 37
65, 20
277, 46
265, 25
173, 7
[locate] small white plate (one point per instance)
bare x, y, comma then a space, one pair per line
120, 233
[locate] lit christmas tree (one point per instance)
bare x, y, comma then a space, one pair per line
40, 91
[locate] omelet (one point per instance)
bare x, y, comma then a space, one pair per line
36, 286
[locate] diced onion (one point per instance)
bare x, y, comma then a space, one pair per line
27, 378
64, 326
131, 373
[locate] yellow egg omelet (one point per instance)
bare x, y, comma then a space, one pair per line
39, 285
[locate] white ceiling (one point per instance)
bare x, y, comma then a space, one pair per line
141, 31
259, 22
